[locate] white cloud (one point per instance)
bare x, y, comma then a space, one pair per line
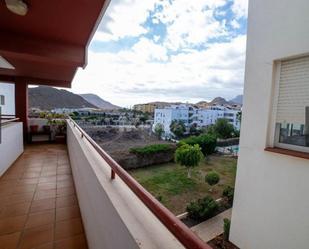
190, 23
129, 77
240, 8
124, 18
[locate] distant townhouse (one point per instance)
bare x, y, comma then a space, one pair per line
193, 116
7, 99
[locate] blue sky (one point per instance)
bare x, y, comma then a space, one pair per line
168, 50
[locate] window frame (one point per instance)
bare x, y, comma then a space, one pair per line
273, 135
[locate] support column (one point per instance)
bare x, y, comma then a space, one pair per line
21, 102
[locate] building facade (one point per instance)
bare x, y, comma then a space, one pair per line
7, 99
271, 195
193, 116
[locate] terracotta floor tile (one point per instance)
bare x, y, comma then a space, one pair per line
49, 173
38, 202
41, 218
27, 188
12, 224
62, 192
67, 213
65, 184
75, 242
46, 186
29, 181
42, 205
66, 201
68, 228
45, 194
31, 175
34, 237
9, 241
64, 178
49, 245
47, 179
18, 198
15, 210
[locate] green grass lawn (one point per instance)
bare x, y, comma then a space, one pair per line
169, 183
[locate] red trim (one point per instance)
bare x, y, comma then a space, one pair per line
288, 152
171, 222
21, 102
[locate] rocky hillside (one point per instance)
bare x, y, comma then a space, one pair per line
99, 102
47, 98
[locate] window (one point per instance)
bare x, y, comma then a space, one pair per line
2, 100
291, 129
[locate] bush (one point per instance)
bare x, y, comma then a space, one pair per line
178, 128
151, 149
223, 128
228, 193
202, 208
226, 229
212, 178
207, 143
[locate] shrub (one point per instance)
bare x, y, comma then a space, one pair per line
159, 130
223, 128
228, 193
178, 128
212, 178
226, 229
202, 208
189, 156
207, 143
151, 149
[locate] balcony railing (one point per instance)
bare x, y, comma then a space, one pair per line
184, 235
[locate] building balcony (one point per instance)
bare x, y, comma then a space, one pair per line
74, 196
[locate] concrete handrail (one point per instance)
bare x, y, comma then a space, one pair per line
171, 222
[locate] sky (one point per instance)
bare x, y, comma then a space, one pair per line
167, 50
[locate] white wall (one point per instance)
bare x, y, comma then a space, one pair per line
113, 216
271, 200
11, 146
8, 90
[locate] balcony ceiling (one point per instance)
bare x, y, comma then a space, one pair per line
50, 42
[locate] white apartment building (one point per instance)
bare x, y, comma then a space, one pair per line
271, 201
191, 115
7, 99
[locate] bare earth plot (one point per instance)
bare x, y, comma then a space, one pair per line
118, 142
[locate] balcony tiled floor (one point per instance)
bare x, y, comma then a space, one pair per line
38, 205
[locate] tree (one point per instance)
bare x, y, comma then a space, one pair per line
207, 142
178, 128
189, 156
223, 128
159, 130
212, 178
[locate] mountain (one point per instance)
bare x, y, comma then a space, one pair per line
219, 101
47, 98
238, 99
97, 101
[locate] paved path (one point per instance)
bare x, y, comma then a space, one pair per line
211, 228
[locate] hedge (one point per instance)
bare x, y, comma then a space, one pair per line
207, 143
151, 149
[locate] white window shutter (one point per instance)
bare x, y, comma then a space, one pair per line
293, 91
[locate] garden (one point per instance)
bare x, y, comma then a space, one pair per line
170, 183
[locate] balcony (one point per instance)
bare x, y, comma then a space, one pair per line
76, 196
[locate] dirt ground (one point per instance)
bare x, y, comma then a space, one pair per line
117, 142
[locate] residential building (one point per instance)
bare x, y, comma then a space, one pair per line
150, 107
71, 195
271, 197
7, 99
192, 116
